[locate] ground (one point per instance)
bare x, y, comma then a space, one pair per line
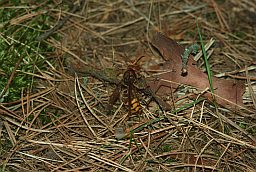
79, 86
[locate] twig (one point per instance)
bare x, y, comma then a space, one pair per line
90, 109
109, 162
81, 112
75, 7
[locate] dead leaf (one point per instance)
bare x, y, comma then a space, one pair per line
228, 92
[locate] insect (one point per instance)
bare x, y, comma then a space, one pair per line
191, 49
128, 89
129, 95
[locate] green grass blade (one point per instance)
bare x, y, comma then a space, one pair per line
209, 74
208, 69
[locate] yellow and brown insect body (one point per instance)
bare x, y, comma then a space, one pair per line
132, 103
127, 89
129, 95
135, 106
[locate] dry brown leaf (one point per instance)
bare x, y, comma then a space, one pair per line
228, 92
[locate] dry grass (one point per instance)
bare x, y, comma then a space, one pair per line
63, 124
